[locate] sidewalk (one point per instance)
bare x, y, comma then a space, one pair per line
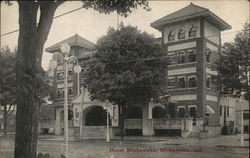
220, 141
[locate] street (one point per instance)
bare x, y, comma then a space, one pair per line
220, 147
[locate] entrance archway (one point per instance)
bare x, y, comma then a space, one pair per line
94, 122
96, 116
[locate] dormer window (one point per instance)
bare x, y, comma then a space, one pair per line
193, 31
171, 35
181, 34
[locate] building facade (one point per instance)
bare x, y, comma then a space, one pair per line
191, 38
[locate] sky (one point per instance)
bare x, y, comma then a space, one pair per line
91, 25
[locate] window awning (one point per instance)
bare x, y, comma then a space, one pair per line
209, 110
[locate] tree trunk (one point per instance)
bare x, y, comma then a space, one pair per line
5, 121
30, 47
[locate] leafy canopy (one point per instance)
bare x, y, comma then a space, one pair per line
234, 64
8, 76
127, 68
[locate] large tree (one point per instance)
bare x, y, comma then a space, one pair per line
233, 66
33, 33
7, 83
128, 68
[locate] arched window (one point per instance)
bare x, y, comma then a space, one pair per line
181, 82
181, 34
192, 81
59, 94
171, 35
208, 82
192, 31
70, 91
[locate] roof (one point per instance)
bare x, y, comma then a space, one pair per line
75, 40
188, 12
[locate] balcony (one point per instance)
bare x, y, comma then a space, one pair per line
166, 123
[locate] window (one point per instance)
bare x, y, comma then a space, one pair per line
59, 94
208, 54
192, 31
227, 111
171, 36
208, 82
220, 110
181, 82
246, 129
191, 56
192, 111
171, 58
181, 111
181, 34
70, 75
60, 75
245, 116
70, 91
171, 82
192, 82
181, 57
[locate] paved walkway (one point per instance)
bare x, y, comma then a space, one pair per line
225, 141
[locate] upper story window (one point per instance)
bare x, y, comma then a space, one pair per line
208, 54
171, 35
70, 91
181, 57
60, 75
192, 110
181, 82
220, 110
181, 111
192, 31
191, 56
192, 81
181, 34
208, 82
171, 58
59, 94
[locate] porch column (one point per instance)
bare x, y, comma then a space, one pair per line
147, 124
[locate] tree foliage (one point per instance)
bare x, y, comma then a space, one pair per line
233, 65
8, 76
127, 68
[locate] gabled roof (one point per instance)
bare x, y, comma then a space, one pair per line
75, 40
188, 12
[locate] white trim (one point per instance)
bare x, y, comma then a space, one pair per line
211, 72
212, 98
182, 71
182, 46
181, 107
170, 78
182, 97
209, 110
62, 85
211, 47
192, 106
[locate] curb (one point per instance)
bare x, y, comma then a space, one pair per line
226, 146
